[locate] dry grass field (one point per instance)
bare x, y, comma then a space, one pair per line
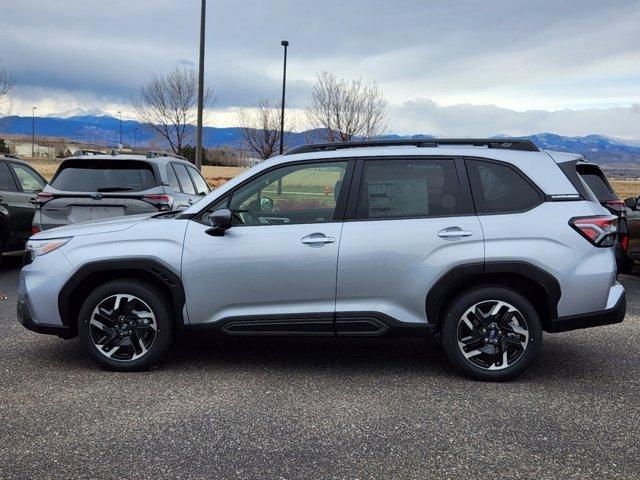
217, 176
626, 188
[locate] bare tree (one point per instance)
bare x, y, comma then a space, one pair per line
7, 93
260, 128
347, 111
167, 105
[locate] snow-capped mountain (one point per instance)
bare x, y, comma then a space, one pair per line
80, 112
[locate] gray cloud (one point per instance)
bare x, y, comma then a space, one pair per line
534, 55
426, 116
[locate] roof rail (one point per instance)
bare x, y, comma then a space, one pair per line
154, 154
500, 143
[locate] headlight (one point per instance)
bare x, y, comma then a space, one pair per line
36, 248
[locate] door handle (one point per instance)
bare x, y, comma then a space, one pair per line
317, 239
454, 232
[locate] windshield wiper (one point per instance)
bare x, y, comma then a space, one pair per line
114, 189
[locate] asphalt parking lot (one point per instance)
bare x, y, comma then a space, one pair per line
308, 408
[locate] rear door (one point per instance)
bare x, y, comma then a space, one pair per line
409, 221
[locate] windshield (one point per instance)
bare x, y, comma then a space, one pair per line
104, 176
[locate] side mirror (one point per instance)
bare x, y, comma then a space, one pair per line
266, 204
631, 203
220, 221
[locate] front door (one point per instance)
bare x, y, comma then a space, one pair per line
413, 221
274, 270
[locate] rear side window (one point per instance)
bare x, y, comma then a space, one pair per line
184, 179
408, 188
6, 179
173, 180
201, 185
84, 175
498, 188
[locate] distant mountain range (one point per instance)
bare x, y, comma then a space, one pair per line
96, 126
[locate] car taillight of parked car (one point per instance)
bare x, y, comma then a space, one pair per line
617, 205
599, 230
42, 198
162, 201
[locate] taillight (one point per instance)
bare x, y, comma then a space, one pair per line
617, 205
35, 229
160, 200
624, 241
43, 197
599, 230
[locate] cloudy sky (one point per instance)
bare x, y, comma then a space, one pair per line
448, 67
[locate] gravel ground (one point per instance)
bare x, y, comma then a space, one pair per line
310, 408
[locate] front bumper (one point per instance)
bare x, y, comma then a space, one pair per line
26, 319
38, 287
613, 314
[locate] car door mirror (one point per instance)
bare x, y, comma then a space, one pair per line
631, 203
266, 204
220, 221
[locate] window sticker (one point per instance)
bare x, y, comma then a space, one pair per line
398, 198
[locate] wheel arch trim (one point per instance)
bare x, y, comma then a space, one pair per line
148, 268
448, 283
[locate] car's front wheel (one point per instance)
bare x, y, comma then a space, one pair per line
492, 333
125, 325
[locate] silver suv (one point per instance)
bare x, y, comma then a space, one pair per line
92, 187
486, 242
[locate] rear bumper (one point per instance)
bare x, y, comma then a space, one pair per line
614, 314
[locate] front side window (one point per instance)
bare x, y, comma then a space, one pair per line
408, 188
29, 181
6, 179
293, 194
498, 188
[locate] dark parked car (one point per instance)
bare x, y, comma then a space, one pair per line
19, 184
598, 184
633, 223
92, 187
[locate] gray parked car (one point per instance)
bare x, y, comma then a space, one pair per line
93, 187
487, 242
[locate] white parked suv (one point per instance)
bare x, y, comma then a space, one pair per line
486, 242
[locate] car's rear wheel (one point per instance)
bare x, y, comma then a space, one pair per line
492, 333
125, 325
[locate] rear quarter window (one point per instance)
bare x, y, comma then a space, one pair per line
84, 175
499, 188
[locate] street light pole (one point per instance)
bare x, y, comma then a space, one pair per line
120, 115
33, 131
285, 44
203, 9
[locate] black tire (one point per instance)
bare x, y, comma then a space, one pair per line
502, 332
1, 249
144, 294
627, 265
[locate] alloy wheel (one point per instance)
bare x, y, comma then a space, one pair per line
123, 327
492, 335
